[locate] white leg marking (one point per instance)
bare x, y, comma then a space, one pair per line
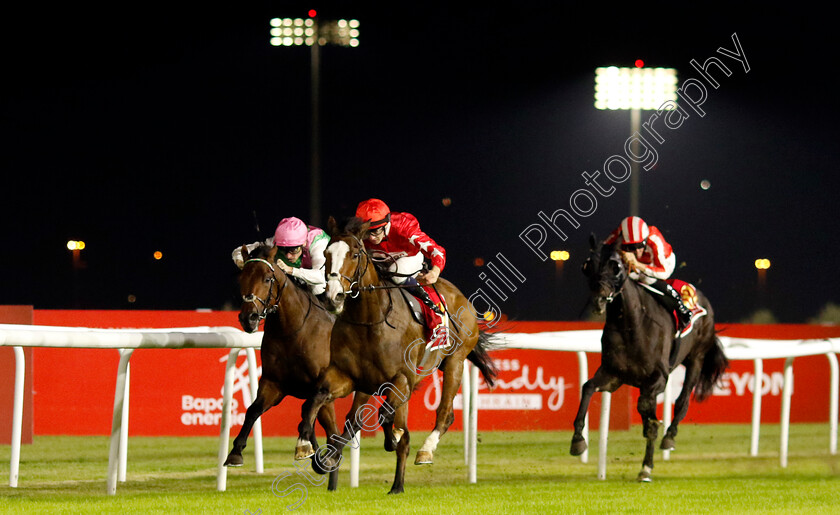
431, 442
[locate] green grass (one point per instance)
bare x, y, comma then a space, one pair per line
529, 472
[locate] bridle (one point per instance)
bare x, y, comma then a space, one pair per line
354, 288
615, 284
267, 306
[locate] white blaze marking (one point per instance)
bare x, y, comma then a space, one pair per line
337, 251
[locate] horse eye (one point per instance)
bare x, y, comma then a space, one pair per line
355, 255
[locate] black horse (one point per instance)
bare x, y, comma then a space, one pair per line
635, 346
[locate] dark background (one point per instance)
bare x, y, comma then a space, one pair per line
139, 127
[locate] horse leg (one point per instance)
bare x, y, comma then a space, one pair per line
692, 374
600, 382
398, 394
332, 385
403, 448
647, 409
445, 416
328, 464
268, 396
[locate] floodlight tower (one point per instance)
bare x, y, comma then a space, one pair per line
635, 89
313, 33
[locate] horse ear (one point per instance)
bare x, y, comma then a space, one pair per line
332, 227
363, 230
272, 253
593, 241
245, 255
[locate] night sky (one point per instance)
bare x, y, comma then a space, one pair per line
144, 127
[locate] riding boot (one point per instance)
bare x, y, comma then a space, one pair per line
421, 293
672, 301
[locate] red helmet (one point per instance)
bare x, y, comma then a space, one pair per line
634, 230
374, 211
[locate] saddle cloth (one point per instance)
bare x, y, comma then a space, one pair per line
436, 326
688, 293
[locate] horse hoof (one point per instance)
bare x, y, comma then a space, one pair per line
578, 446
304, 452
424, 458
234, 460
644, 475
667, 444
396, 490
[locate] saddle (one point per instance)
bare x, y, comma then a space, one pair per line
414, 305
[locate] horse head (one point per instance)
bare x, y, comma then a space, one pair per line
606, 273
259, 282
347, 262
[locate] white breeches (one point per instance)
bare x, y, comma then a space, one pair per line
407, 265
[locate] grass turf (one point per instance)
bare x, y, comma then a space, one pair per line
710, 472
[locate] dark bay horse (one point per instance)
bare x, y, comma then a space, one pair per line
295, 347
635, 348
376, 347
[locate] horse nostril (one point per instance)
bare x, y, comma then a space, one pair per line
253, 317
339, 297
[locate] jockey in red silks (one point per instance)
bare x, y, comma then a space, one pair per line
399, 236
300, 252
651, 261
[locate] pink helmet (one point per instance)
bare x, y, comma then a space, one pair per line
290, 232
634, 230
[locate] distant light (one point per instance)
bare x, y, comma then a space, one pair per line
559, 255
446, 201
639, 63
158, 254
762, 264
488, 316
313, 13
705, 184
478, 261
75, 245
131, 299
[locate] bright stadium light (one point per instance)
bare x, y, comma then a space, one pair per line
314, 33
635, 89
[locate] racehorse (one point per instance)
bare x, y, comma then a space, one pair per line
295, 347
376, 348
635, 346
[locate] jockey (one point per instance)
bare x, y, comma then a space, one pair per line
650, 261
300, 252
399, 236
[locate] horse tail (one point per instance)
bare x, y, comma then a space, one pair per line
715, 364
479, 357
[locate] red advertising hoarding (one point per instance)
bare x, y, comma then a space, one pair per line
178, 392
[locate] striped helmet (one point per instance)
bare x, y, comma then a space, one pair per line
633, 230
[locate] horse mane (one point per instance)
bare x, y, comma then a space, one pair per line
355, 226
261, 251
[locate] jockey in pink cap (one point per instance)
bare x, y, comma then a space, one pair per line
300, 252
651, 261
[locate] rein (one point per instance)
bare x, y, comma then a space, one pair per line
355, 281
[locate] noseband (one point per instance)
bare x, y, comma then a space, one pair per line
267, 307
361, 269
615, 283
